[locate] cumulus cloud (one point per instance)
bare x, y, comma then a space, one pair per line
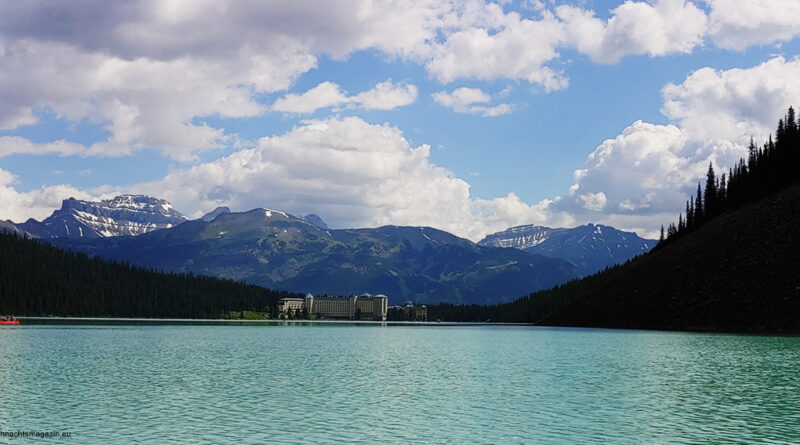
664, 27
146, 71
510, 47
647, 172
736, 24
38, 203
466, 100
734, 104
384, 96
352, 173
143, 102
149, 71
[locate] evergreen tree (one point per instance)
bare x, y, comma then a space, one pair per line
710, 197
752, 154
698, 206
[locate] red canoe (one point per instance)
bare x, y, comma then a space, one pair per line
15, 321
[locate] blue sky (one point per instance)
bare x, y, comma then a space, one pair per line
469, 116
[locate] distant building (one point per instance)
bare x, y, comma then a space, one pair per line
364, 307
409, 312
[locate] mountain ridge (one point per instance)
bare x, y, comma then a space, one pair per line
281, 251
122, 215
591, 247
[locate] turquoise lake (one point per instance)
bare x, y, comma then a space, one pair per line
330, 383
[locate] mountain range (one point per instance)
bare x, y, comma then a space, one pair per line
281, 251
591, 248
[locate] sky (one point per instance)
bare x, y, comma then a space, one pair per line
470, 116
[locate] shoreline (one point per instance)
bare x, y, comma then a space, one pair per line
223, 322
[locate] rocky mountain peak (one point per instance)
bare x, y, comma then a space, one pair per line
121, 215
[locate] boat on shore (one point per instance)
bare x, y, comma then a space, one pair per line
9, 320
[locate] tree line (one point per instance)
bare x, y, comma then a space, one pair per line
37, 279
530, 308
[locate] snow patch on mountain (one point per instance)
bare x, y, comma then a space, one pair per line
122, 215
591, 247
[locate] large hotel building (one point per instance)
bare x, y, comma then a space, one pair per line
364, 307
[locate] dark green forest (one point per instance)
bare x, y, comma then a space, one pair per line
767, 170
37, 279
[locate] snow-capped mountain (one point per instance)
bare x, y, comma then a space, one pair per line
123, 215
591, 248
521, 237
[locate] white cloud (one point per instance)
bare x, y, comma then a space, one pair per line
490, 45
149, 71
734, 104
461, 98
737, 24
18, 145
497, 110
647, 164
38, 203
664, 27
593, 201
646, 173
464, 100
326, 94
12, 118
353, 173
384, 96
142, 102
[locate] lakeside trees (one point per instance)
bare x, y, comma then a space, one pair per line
37, 279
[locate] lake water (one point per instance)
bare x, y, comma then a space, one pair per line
372, 384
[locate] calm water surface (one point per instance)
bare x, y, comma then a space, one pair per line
368, 384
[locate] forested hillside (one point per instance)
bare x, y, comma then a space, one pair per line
729, 265
37, 279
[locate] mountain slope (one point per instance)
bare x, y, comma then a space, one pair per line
736, 273
280, 251
123, 215
590, 248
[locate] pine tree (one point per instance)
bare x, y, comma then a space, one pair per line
752, 154
699, 213
710, 197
